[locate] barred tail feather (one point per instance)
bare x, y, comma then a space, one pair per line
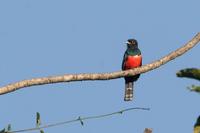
128, 91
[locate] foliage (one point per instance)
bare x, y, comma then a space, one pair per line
38, 122
192, 73
197, 126
6, 130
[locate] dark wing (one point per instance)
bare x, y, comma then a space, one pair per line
139, 53
141, 58
124, 59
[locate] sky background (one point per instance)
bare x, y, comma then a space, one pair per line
41, 38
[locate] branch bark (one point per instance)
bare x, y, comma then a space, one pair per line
100, 76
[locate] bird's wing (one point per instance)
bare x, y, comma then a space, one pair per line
123, 62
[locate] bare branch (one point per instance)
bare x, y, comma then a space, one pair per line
100, 76
80, 119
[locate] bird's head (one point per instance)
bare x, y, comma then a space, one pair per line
132, 43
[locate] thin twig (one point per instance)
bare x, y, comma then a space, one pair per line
80, 119
100, 76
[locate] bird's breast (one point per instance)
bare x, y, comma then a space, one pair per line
133, 61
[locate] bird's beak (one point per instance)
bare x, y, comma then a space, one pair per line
126, 42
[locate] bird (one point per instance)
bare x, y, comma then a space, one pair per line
197, 126
132, 59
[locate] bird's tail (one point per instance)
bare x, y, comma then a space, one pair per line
128, 91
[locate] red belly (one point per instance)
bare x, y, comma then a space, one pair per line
133, 61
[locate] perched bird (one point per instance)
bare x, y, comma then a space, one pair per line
197, 126
132, 59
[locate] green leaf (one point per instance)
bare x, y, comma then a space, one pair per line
194, 88
41, 131
193, 73
81, 121
38, 121
197, 122
9, 128
3, 131
197, 126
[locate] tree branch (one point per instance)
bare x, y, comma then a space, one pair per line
80, 119
100, 76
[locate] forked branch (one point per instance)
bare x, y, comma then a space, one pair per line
100, 76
